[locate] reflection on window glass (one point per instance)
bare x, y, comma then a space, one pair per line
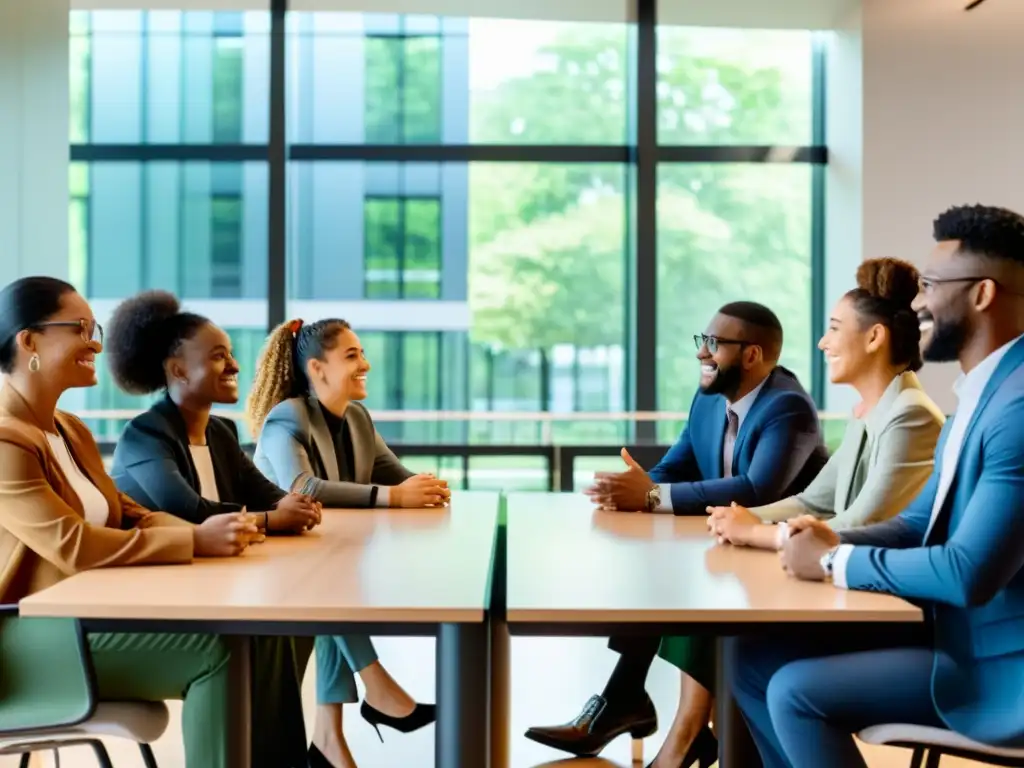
734, 86
403, 248
228, 89
169, 77
403, 90
730, 233
226, 246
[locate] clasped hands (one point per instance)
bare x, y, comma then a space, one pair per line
809, 538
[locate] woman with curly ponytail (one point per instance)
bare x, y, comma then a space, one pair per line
315, 436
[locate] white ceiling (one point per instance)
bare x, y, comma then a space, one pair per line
780, 14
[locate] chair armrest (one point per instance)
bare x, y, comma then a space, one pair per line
46, 675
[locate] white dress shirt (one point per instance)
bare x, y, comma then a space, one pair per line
741, 408
968, 389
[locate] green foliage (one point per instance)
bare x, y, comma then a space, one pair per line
551, 256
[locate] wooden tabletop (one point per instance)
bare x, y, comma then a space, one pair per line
568, 562
358, 565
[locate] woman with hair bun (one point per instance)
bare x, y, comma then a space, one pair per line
873, 345
316, 437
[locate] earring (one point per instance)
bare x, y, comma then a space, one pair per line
34, 363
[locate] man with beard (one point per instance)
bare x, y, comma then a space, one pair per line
957, 550
752, 437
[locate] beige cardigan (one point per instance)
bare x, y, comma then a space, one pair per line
881, 465
43, 533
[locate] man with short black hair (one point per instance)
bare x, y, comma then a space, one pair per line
752, 437
957, 550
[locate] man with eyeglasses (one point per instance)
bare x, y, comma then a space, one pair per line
752, 437
957, 550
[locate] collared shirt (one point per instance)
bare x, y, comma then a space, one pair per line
968, 389
741, 408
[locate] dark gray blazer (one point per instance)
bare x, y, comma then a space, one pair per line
296, 451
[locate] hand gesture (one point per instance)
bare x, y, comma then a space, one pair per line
622, 491
223, 535
295, 513
732, 524
419, 491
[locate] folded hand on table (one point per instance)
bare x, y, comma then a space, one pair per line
732, 524
419, 491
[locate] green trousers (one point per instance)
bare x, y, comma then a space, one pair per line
194, 668
338, 658
693, 655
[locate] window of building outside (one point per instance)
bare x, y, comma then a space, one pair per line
474, 284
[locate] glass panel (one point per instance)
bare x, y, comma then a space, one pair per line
169, 77
196, 229
526, 265
483, 81
730, 233
734, 86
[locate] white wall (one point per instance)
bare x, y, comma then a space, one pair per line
33, 138
941, 121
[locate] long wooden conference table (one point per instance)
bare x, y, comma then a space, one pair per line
573, 570
384, 572
568, 570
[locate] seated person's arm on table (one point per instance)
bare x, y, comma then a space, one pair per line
290, 459
32, 512
782, 450
151, 465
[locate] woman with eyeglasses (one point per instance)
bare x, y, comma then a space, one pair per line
60, 513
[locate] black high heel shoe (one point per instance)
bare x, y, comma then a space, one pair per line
703, 751
423, 714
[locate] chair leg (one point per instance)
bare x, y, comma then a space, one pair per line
26, 760
102, 756
917, 757
148, 758
934, 756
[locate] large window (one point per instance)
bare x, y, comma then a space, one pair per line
514, 215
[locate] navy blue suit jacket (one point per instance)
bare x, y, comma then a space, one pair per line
965, 567
778, 451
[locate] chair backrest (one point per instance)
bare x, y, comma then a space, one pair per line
46, 678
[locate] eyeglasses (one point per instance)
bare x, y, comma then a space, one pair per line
925, 284
90, 329
714, 342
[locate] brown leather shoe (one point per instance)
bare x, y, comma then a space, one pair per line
595, 726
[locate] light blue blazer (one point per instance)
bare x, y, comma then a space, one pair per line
965, 568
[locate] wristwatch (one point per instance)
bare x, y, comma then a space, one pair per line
653, 498
826, 561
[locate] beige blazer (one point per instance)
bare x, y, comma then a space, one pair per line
43, 533
881, 465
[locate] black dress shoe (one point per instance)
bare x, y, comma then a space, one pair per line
597, 725
702, 752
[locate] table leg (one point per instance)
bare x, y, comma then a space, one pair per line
239, 672
735, 746
462, 731
501, 684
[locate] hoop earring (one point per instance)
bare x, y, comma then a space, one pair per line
34, 363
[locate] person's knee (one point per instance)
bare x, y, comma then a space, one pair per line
785, 692
216, 652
